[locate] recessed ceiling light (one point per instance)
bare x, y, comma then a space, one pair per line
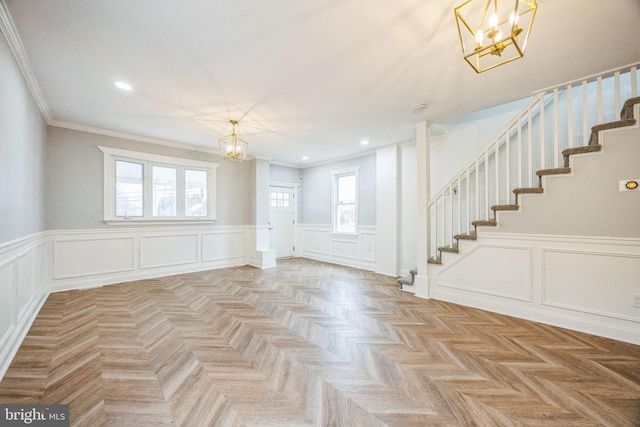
364, 142
123, 86
305, 157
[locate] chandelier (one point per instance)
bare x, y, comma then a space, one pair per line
232, 147
492, 35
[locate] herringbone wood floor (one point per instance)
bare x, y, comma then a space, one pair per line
309, 343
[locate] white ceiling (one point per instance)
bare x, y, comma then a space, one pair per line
303, 77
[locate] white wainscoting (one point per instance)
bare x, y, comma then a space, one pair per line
316, 241
90, 258
581, 283
23, 290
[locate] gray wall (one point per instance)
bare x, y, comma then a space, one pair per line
316, 187
75, 180
284, 174
22, 154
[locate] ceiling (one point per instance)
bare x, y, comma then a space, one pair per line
304, 78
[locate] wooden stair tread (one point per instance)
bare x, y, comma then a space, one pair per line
505, 207
579, 150
528, 190
451, 249
484, 223
593, 140
627, 108
556, 171
434, 261
465, 237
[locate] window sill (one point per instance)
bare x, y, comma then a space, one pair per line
143, 221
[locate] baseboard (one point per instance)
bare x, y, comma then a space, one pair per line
14, 337
621, 331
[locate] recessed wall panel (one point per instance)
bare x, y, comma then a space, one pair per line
600, 283
494, 270
24, 283
368, 247
345, 248
162, 251
220, 246
317, 241
75, 258
7, 297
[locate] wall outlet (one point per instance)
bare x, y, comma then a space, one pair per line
636, 300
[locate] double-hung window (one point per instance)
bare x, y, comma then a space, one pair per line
345, 200
144, 187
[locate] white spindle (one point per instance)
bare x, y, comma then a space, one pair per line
458, 198
507, 164
634, 82
468, 195
585, 114
519, 169
449, 217
486, 184
569, 116
599, 100
477, 188
556, 128
542, 138
444, 222
529, 149
497, 171
618, 104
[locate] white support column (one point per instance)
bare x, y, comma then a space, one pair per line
264, 257
423, 196
387, 189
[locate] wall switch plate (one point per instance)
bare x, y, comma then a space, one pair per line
636, 300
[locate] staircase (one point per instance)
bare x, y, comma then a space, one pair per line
546, 133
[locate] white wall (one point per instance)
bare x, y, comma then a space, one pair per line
22, 245
316, 241
387, 193
316, 191
408, 215
88, 258
75, 180
454, 143
22, 153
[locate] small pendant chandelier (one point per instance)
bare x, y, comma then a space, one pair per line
492, 35
231, 147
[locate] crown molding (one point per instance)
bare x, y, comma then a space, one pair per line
13, 39
132, 137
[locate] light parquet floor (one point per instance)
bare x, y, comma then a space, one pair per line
311, 344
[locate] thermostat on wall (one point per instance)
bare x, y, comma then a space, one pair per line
629, 184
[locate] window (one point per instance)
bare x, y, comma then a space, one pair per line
279, 199
146, 187
345, 201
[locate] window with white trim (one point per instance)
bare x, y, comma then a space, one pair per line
144, 187
345, 200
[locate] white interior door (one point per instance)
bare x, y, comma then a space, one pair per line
282, 220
